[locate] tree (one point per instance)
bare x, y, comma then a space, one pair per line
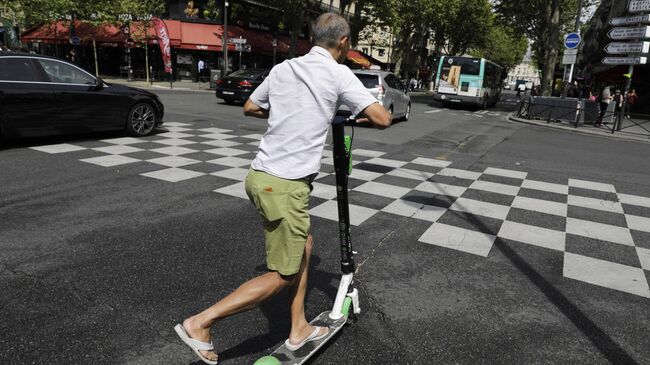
503, 45
544, 22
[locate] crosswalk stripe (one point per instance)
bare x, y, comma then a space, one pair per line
432, 111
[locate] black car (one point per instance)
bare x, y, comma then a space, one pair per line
239, 85
42, 95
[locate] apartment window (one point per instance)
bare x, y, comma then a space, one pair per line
381, 52
364, 50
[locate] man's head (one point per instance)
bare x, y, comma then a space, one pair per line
332, 32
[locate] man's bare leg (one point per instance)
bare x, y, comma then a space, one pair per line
300, 328
249, 295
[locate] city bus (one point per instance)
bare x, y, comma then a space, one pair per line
468, 80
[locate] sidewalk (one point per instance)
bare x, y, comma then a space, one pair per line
183, 85
629, 130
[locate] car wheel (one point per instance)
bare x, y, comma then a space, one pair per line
390, 110
407, 114
141, 120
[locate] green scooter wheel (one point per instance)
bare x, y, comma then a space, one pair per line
267, 360
347, 305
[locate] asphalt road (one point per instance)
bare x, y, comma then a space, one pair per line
99, 262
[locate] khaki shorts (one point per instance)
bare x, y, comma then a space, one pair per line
284, 207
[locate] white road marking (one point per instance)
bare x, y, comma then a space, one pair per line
532, 235
460, 239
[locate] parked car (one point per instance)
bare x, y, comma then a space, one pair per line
42, 95
239, 85
389, 91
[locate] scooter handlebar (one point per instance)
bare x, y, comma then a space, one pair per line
346, 121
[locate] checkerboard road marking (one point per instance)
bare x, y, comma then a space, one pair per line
412, 192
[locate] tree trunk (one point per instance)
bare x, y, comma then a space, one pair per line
550, 57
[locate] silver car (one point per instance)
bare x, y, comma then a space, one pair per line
389, 91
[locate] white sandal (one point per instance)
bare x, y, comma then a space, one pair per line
312, 337
195, 345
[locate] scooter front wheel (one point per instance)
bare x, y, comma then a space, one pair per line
267, 360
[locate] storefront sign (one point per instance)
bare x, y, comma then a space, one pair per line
163, 37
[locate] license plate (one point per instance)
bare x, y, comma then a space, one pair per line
229, 93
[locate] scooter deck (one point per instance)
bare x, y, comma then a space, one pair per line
287, 357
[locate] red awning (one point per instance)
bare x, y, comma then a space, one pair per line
262, 42
103, 34
183, 35
359, 58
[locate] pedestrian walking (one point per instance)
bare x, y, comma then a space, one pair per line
632, 98
605, 99
279, 180
521, 88
618, 101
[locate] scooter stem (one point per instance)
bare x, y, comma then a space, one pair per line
341, 164
344, 285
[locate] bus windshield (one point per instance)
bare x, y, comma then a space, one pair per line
468, 66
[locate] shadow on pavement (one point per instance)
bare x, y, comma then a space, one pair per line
8, 143
276, 310
601, 340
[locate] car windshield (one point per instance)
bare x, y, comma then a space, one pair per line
369, 81
247, 74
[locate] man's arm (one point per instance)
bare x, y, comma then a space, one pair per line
377, 115
253, 110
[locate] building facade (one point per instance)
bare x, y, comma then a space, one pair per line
526, 71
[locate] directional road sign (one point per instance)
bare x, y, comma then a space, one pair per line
629, 33
242, 47
237, 40
627, 20
637, 6
75, 41
572, 40
632, 47
625, 60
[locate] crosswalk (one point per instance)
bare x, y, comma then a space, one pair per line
477, 114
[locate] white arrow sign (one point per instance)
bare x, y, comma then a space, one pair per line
629, 33
634, 47
625, 60
630, 20
237, 40
639, 5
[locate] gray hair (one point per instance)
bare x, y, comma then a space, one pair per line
328, 29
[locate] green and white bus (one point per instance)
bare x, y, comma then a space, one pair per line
468, 80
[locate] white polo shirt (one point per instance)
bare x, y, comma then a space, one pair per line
302, 96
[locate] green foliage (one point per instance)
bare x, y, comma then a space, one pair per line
502, 45
544, 22
33, 12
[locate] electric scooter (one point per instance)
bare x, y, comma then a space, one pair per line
346, 303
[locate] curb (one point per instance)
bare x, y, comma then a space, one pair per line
144, 85
592, 132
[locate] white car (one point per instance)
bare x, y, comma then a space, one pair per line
389, 91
